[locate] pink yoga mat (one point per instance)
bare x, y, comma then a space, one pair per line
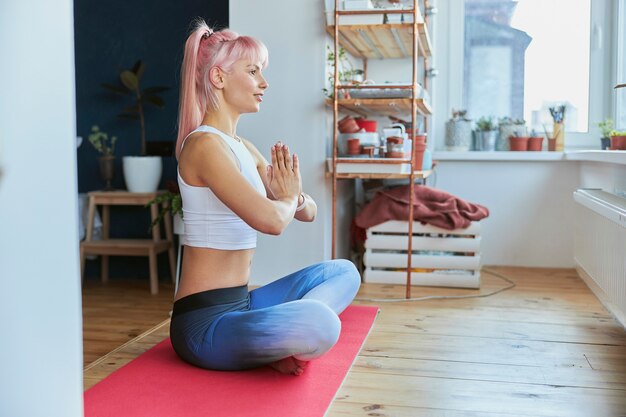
159, 384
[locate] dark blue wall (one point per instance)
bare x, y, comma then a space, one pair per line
111, 36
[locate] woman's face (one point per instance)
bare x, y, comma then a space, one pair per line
244, 86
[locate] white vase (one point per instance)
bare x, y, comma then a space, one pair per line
142, 173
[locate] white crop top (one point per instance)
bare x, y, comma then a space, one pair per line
209, 223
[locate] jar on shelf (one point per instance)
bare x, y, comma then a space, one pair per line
458, 132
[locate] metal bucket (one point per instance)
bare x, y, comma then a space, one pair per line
485, 140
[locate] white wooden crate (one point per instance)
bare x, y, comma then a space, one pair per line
440, 257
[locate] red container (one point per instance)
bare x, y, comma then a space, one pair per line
418, 149
368, 125
348, 125
354, 146
518, 143
618, 143
535, 143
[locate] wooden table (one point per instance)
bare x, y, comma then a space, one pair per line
127, 247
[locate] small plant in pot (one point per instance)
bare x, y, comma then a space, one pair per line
486, 134
606, 127
618, 140
347, 73
106, 146
535, 142
507, 127
171, 203
141, 173
458, 132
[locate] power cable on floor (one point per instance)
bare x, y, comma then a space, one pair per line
447, 297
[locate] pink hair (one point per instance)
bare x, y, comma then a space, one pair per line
204, 50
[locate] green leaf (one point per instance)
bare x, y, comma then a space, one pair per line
115, 89
130, 80
154, 100
139, 68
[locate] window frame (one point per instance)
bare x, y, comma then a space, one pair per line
447, 87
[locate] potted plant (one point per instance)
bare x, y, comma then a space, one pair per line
558, 129
347, 73
535, 142
606, 127
618, 140
459, 132
485, 134
106, 147
507, 127
141, 173
173, 206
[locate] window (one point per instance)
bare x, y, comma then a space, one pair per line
620, 94
522, 57
518, 58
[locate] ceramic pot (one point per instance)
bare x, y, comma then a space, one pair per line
418, 156
518, 143
605, 143
348, 125
354, 146
107, 170
458, 135
506, 130
142, 173
535, 143
551, 144
618, 143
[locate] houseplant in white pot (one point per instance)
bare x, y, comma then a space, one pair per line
141, 173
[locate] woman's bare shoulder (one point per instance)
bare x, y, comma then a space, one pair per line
200, 145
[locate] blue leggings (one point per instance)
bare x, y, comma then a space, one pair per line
233, 329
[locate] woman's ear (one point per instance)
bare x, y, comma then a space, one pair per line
216, 77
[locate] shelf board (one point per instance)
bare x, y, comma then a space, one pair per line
380, 176
373, 168
379, 41
382, 106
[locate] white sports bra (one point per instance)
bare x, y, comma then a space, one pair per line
209, 223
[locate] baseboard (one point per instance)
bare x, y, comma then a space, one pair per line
619, 315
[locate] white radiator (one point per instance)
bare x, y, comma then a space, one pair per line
600, 247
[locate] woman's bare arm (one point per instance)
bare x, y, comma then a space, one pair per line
305, 214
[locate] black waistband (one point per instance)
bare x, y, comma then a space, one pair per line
209, 298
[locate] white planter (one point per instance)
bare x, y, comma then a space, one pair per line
142, 173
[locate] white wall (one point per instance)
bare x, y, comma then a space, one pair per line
41, 348
609, 177
292, 111
531, 220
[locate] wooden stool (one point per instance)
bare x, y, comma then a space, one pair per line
127, 247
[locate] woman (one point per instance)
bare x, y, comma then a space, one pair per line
230, 192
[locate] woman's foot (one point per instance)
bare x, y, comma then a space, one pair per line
289, 365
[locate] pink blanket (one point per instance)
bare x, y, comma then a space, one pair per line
430, 205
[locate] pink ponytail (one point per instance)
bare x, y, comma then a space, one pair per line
205, 49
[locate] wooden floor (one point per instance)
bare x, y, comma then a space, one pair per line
544, 348
119, 311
